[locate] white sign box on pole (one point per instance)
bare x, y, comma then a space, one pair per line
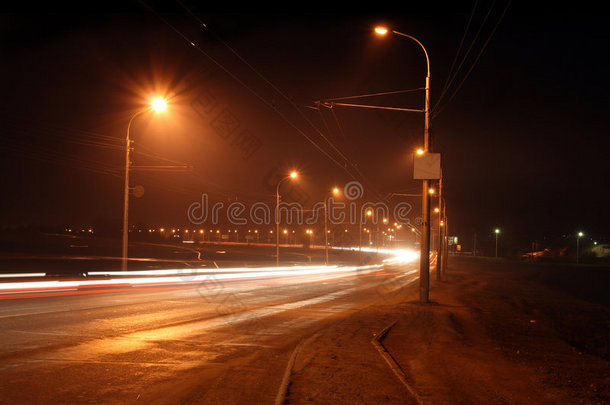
427, 166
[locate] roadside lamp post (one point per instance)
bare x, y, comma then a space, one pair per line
310, 233
416, 233
369, 213
385, 222
578, 236
292, 175
433, 231
424, 266
440, 261
497, 232
334, 191
158, 105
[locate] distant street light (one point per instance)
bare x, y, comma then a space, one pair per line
157, 105
292, 175
424, 266
497, 232
369, 213
334, 191
310, 233
578, 236
439, 244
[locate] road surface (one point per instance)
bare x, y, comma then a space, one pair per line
215, 336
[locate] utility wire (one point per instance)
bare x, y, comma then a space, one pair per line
452, 78
346, 160
376, 94
438, 111
370, 185
242, 83
457, 54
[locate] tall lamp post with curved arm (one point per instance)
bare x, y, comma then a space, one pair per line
424, 267
158, 105
292, 175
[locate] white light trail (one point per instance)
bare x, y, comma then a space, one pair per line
190, 275
177, 276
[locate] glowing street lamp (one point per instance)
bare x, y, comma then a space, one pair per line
292, 175
158, 105
310, 233
369, 213
497, 232
381, 30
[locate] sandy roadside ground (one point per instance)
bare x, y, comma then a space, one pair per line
494, 332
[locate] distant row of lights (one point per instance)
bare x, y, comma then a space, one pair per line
71, 230
218, 231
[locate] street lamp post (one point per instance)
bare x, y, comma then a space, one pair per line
439, 250
385, 223
416, 233
335, 191
440, 266
445, 227
497, 232
158, 104
369, 213
277, 216
578, 236
424, 266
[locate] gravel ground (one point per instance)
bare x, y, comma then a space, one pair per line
494, 332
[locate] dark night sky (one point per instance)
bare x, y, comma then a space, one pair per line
524, 139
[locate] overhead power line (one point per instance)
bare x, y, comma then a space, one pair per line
438, 108
459, 50
345, 165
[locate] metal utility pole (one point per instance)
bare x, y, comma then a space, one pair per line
158, 105
424, 259
424, 267
277, 216
474, 248
424, 264
577, 250
325, 232
446, 243
125, 244
439, 255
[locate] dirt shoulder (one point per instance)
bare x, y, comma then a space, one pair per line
494, 333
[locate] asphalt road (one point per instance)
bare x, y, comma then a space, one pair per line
221, 336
